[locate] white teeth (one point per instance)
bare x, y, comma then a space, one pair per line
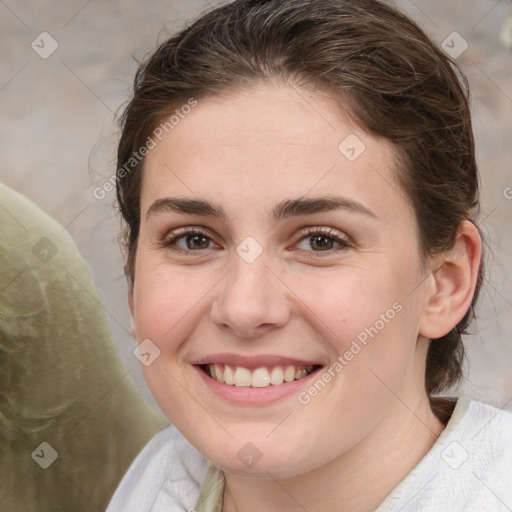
289, 373
260, 377
218, 374
299, 373
229, 375
276, 376
242, 376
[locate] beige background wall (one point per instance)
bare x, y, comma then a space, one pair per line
57, 138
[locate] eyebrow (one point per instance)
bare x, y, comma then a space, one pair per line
283, 210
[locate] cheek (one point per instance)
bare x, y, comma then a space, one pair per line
167, 305
166, 301
346, 301
362, 317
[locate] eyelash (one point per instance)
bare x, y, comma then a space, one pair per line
344, 243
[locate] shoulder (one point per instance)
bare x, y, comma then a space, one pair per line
486, 435
469, 467
499, 415
487, 428
475, 461
168, 472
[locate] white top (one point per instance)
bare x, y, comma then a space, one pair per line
469, 468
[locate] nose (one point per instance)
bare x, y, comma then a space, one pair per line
252, 300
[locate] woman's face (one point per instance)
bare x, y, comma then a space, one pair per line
277, 251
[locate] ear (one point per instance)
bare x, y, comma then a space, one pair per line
133, 329
453, 283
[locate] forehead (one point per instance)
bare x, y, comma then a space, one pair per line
252, 148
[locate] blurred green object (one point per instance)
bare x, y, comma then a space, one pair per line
71, 419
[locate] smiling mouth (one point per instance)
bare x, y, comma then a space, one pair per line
259, 377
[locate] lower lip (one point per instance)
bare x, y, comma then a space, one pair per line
255, 396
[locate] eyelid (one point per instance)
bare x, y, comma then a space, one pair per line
328, 231
171, 237
344, 241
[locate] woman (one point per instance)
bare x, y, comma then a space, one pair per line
300, 195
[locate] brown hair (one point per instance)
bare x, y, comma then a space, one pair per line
375, 62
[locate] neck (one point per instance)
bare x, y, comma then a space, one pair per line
356, 481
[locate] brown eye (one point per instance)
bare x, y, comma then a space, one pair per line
196, 241
322, 240
188, 240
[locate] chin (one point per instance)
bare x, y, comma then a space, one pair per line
259, 458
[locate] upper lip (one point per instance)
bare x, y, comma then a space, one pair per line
254, 362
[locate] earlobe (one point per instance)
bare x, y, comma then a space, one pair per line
454, 279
